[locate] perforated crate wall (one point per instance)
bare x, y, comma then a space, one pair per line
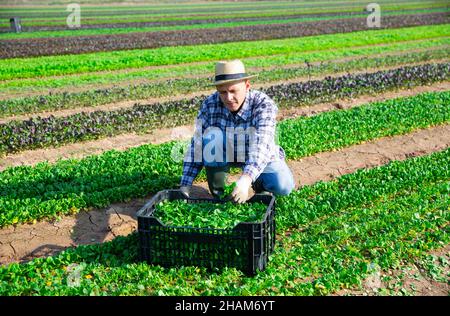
246, 247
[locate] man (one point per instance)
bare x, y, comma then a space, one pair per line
248, 114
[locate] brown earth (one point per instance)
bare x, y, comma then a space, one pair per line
125, 141
410, 279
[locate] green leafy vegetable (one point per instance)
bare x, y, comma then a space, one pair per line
211, 215
228, 189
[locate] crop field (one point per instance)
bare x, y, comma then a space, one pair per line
91, 117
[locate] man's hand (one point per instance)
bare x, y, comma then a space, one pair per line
240, 192
186, 190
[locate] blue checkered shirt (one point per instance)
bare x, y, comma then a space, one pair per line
258, 111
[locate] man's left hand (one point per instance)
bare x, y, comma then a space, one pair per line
240, 192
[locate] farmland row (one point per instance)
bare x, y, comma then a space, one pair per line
39, 132
48, 190
128, 140
330, 8
361, 220
106, 61
82, 82
166, 5
85, 44
381, 235
125, 28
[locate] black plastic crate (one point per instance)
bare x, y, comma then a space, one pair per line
246, 247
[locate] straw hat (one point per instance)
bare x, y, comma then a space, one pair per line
230, 71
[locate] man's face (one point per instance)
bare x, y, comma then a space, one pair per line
233, 94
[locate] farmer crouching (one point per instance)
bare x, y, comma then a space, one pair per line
235, 127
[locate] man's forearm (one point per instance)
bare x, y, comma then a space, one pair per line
189, 175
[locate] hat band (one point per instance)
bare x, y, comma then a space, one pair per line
232, 76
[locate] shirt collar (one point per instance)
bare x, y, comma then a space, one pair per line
245, 110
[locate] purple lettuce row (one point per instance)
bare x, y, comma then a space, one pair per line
90, 98
351, 85
201, 16
85, 44
52, 131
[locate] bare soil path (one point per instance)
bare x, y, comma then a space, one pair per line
411, 279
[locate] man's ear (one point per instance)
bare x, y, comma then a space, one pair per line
247, 84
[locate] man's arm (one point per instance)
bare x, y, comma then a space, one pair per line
262, 146
193, 160
191, 167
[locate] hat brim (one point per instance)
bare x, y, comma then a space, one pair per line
218, 83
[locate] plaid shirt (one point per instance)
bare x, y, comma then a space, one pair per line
258, 111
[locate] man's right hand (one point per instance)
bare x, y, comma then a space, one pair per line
186, 190
240, 192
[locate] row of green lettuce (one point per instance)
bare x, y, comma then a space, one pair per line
180, 86
46, 191
331, 235
81, 63
37, 132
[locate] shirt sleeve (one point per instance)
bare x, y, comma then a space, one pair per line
193, 160
262, 145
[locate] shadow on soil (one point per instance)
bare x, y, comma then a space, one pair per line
118, 219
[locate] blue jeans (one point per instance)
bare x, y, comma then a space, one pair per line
276, 178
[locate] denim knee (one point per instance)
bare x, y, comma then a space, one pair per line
278, 183
277, 178
284, 187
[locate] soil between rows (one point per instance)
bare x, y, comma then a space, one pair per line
25, 242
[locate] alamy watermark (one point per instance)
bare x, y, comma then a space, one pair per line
74, 18
74, 274
374, 18
215, 145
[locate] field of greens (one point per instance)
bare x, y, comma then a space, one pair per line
133, 69
109, 61
363, 223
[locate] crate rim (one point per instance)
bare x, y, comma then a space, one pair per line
144, 208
